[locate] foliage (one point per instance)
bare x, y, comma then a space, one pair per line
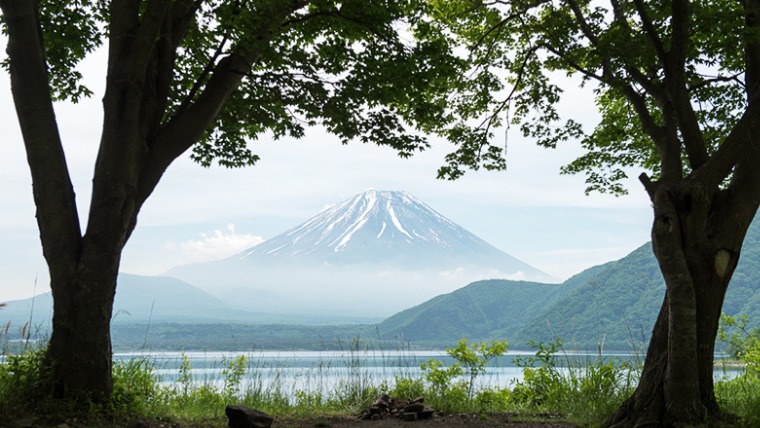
136, 387
475, 357
471, 360
209, 78
23, 377
743, 343
339, 65
740, 395
441, 377
586, 390
519, 51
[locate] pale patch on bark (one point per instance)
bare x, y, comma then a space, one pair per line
722, 259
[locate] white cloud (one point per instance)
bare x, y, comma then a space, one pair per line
214, 246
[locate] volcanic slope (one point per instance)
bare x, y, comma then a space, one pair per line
373, 254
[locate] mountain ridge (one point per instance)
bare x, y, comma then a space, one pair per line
613, 305
375, 253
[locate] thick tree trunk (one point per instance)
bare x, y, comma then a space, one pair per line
79, 352
697, 246
657, 401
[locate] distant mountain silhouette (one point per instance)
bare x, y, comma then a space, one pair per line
373, 254
159, 299
138, 299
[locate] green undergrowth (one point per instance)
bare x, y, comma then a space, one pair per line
741, 394
583, 389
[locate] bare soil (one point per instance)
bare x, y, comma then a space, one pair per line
442, 421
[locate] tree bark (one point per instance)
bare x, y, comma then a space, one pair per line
79, 351
697, 246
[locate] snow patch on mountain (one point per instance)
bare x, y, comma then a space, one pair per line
375, 253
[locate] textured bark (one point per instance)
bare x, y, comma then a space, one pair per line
79, 351
697, 246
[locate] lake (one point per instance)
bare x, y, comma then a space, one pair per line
326, 371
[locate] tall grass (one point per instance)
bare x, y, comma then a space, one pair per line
582, 389
741, 395
586, 389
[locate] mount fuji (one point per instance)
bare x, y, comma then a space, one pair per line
371, 255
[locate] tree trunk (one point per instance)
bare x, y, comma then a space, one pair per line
79, 352
697, 246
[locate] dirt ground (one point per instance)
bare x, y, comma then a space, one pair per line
444, 421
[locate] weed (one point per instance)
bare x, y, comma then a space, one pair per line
588, 390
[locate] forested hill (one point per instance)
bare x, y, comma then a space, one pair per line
620, 304
478, 311
614, 304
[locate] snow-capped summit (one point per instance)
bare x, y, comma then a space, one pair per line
361, 250
378, 227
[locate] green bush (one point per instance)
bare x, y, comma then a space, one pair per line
588, 391
445, 392
136, 386
408, 388
741, 395
23, 380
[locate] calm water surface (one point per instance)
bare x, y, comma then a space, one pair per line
326, 371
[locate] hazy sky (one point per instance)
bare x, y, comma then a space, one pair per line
530, 211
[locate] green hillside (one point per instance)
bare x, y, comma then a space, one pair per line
614, 304
241, 337
483, 309
619, 305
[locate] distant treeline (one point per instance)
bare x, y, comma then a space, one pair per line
242, 337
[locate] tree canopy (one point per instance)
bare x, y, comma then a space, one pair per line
668, 79
205, 76
299, 63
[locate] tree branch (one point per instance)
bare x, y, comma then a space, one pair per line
675, 65
648, 124
721, 163
146, 35
201, 80
188, 126
745, 182
125, 15
640, 78
717, 79
649, 29
57, 215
